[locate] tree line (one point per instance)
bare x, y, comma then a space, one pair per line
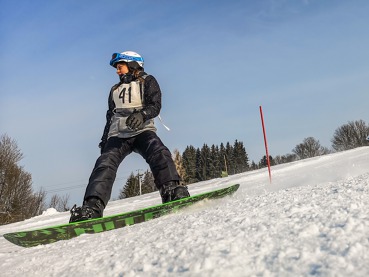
209, 162
348, 136
18, 201
194, 165
138, 184
201, 164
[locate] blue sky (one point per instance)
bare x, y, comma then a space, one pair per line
305, 62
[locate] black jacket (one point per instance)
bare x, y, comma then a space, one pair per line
152, 102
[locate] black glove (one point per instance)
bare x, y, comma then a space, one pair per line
135, 121
102, 145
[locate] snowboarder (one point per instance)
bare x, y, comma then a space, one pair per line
133, 104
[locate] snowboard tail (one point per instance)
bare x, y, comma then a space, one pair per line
67, 231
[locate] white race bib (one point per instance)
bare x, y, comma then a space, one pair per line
128, 96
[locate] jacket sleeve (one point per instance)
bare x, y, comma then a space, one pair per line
109, 114
152, 98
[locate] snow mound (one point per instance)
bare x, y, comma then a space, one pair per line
50, 211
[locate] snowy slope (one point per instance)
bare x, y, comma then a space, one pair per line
313, 220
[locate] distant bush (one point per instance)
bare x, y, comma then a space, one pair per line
350, 136
309, 148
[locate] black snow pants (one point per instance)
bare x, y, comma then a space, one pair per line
148, 145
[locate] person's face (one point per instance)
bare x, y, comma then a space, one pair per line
122, 68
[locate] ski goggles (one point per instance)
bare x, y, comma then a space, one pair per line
116, 57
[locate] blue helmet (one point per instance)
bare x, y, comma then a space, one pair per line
127, 56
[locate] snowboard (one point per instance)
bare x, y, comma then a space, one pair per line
71, 230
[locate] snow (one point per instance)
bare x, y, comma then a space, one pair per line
50, 211
311, 221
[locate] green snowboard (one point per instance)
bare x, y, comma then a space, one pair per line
71, 230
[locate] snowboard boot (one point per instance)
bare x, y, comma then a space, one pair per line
172, 191
93, 207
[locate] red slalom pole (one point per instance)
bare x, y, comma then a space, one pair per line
266, 144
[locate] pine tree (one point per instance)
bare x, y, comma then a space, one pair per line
229, 158
189, 165
254, 166
131, 188
240, 158
147, 183
223, 160
205, 157
199, 166
264, 163
215, 162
